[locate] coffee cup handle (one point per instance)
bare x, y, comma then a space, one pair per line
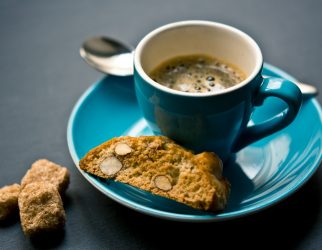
277, 87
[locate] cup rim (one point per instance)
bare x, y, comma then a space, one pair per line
153, 33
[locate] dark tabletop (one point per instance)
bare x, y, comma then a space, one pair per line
42, 76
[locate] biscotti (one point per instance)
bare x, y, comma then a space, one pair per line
46, 171
41, 208
8, 200
160, 166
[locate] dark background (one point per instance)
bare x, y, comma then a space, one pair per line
42, 76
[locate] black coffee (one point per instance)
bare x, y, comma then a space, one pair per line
197, 74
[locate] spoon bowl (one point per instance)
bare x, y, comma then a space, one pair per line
108, 56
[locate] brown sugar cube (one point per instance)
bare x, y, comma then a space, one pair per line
47, 171
8, 200
41, 209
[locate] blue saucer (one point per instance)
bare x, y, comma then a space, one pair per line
261, 174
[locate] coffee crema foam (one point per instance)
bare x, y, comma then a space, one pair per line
197, 74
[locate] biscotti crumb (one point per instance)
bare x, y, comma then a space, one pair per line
162, 167
8, 200
46, 171
41, 209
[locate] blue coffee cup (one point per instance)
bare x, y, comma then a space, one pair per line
213, 121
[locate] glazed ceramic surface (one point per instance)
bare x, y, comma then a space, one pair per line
261, 174
210, 121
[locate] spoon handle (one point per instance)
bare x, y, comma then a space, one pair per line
307, 90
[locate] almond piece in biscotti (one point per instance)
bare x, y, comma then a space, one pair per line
122, 149
162, 182
110, 165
